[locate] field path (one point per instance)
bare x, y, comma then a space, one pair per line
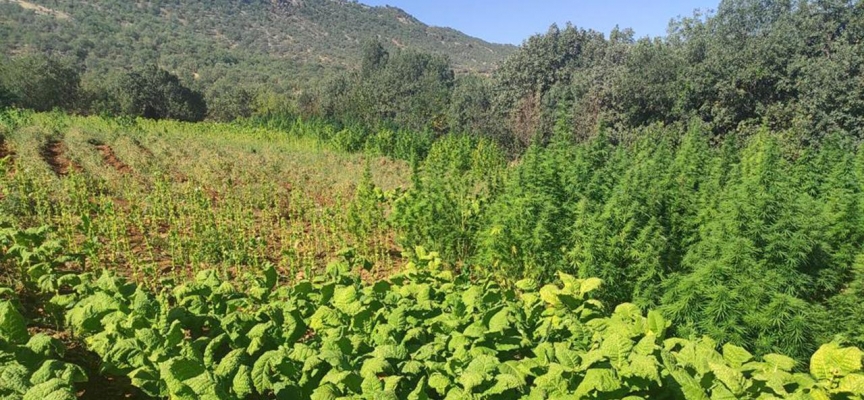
53, 153
4, 150
110, 158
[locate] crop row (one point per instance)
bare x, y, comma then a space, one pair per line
424, 333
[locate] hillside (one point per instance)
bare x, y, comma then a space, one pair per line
272, 42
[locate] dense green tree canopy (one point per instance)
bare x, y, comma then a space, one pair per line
152, 92
40, 82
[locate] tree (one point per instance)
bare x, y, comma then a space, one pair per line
154, 93
41, 82
227, 102
375, 58
6, 98
470, 108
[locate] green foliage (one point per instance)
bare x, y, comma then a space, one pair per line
29, 365
470, 110
227, 102
744, 243
6, 97
35, 255
791, 65
423, 333
442, 211
40, 83
366, 213
408, 89
153, 93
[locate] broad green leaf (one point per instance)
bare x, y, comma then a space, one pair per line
412, 368
324, 318
390, 352
457, 394
780, 362
552, 382
505, 382
149, 338
471, 379
471, 297
14, 377
570, 282
242, 384
230, 363
439, 382
527, 285
271, 277
776, 380
499, 322
616, 347
549, 294
147, 380
53, 369
177, 374
391, 383
264, 370
372, 367
13, 329
736, 356
642, 366
690, 387
733, 379
567, 357
646, 346
326, 392
853, 384
589, 285
483, 365
419, 393
45, 346
215, 346
657, 324
832, 361
345, 300
599, 381
86, 316
55, 389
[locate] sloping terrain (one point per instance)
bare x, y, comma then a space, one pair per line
272, 41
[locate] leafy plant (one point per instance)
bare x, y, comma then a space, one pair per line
29, 365
37, 257
423, 333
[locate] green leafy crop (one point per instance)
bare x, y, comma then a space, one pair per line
29, 365
424, 333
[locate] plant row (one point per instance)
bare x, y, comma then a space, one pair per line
424, 333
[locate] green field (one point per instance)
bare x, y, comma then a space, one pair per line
163, 200
324, 199
231, 261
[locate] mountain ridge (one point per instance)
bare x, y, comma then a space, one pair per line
264, 41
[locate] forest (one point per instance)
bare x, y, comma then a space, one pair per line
601, 216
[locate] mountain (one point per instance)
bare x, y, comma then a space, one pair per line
268, 42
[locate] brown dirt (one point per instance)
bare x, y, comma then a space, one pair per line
100, 386
4, 150
110, 158
143, 149
54, 154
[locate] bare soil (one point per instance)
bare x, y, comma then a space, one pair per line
110, 158
54, 154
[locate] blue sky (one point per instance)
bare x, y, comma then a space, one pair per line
512, 21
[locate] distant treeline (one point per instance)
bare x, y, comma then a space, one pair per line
794, 67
